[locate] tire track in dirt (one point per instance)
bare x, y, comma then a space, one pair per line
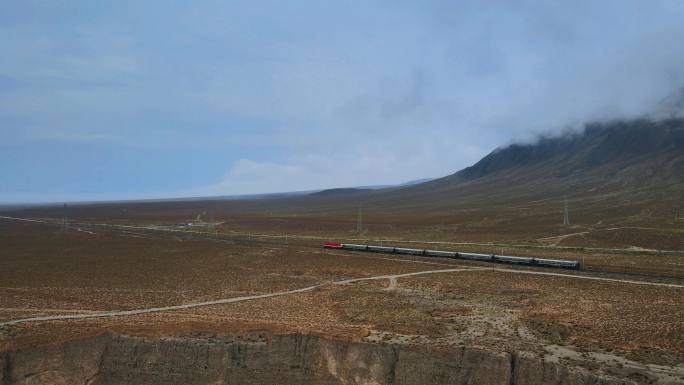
118, 313
391, 277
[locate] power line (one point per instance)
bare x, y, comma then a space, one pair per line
566, 213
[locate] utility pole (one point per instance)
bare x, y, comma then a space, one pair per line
566, 214
212, 223
359, 222
64, 219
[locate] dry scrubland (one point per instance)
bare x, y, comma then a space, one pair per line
481, 211
46, 272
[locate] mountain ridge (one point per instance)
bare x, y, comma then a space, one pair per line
614, 175
622, 141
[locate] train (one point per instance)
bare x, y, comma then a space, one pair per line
508, 259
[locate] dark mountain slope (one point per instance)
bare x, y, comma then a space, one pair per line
607, 156
612, 145
626, 175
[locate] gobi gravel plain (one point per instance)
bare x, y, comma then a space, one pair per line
601, 322
342, 192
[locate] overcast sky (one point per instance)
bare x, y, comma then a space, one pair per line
142, 99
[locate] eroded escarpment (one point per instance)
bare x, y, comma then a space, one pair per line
74, 362
264, 358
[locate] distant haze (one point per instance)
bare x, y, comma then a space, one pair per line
149, 99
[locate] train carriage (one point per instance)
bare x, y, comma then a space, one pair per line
527, 261
403, 250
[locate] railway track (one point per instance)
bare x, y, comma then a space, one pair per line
381, 240
641, 274
610, 270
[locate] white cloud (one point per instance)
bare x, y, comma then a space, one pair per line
308, 95
342, 164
